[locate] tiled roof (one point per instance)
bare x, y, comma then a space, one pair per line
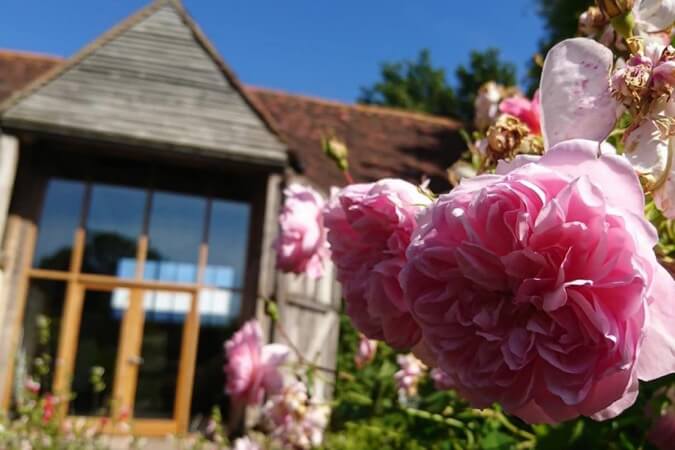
383, 142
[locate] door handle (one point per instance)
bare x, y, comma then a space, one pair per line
135, 360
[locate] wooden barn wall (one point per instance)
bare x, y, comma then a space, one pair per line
308, 308
17, 248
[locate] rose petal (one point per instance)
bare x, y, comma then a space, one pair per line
578, 157
657, 355
647, 149
664, 197
654, 15
575, 94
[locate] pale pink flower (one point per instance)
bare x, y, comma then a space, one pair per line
301, 246
410, 373
294, 419
245, 443
486, 105
32, 386
537, 287
365, 352
369, 228
442, 381
252, 368
528, 111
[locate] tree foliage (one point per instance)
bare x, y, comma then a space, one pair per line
414, 85
418, 85
560, 18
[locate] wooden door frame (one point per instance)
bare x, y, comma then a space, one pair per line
125, 376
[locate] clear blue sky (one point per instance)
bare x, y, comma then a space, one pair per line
326, 48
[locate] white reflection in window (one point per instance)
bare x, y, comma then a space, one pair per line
218, 303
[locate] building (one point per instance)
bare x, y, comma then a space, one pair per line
140, 182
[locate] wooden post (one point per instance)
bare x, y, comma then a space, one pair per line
9, 158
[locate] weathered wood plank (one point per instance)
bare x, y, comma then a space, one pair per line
154, 81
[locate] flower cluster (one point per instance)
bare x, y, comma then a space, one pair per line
294, 419
408, 377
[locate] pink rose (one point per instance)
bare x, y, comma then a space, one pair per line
301, 245
253, 369
528, 111
369, 228
365, 352
537, 287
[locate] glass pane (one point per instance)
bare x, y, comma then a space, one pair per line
41, 327
60, 217
228, 244
165, 314
176, 229
96, 350
209, 380
218, 307
115, 221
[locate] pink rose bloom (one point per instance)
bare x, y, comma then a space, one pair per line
301, 245
252, 369
369, 228
409, 375
537, 287
365, 353
442, 381
528, 111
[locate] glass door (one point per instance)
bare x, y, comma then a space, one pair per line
129, 355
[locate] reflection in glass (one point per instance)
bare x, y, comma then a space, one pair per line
228, 243
40, 336
209, 377
58, 222
160, 353
176, 229
96, 347
113, 226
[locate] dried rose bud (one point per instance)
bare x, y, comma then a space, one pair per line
505, 136
615, 8
630, 83
592, 21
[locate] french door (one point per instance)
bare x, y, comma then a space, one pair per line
128, 353
130, 277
